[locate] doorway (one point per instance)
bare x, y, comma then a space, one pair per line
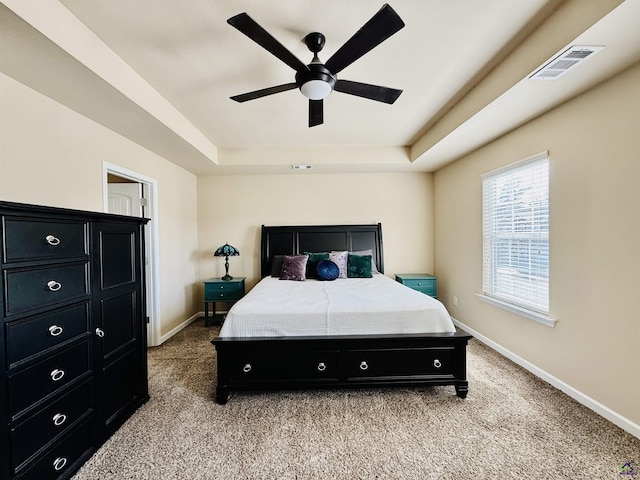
130, 193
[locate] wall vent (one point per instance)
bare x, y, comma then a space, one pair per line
567, 60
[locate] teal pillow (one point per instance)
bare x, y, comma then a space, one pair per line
359, 266
312, 263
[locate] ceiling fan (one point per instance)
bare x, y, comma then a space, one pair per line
317, 80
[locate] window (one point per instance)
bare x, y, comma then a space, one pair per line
515, 218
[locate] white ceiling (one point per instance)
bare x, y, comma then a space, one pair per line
161, 72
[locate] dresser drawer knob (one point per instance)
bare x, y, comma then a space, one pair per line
437, 363
59, 463
55, 330
57, 374
322, 367
52, 240
99, 332
363, 366
54, 286
246, 368
59, 419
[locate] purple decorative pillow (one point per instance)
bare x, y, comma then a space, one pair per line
294, 267
340, 259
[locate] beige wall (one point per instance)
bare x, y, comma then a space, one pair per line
232, 209
50, 155
594, 148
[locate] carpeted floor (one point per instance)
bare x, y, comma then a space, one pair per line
512, 425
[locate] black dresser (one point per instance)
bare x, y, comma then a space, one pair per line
73, 337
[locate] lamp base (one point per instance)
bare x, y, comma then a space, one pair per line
227, 277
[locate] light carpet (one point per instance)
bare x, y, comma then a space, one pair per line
512, 425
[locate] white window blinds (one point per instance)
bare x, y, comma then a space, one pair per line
516, 233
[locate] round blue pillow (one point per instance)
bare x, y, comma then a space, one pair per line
327, 270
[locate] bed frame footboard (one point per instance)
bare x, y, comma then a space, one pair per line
286, 363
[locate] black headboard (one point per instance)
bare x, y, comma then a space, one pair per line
292, 240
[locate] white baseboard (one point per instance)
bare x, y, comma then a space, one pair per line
183, 325
615, 418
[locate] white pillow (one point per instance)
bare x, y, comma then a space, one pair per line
340, 259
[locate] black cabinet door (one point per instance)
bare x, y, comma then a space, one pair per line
119, 314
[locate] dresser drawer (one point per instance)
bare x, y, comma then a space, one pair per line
32, 239
32, 434
34, 335
223, 291
41, 287
36, 382
63, 457
409, 362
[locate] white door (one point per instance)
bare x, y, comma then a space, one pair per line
125, 199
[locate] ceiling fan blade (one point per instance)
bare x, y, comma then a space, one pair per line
263, 92
315, 113
364, 90
381, 26
255, 32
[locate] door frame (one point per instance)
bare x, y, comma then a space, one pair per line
152, 260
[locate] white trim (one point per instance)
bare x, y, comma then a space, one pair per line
602, 410
182, 326
519, 163
153, 328
524, 312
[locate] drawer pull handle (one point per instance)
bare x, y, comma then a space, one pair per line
59, 419
54, 286
59, 463
363, 366
52, 240
246, 368
57, 374
322, 367
437, 363
55, 330
99, 332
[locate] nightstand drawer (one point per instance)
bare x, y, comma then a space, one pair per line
424, 283
220, 292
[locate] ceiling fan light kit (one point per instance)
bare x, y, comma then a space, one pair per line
316, 80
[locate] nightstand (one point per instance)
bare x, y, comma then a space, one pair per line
422, 282
218, 290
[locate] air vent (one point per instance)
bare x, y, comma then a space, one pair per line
302, 167
561, 64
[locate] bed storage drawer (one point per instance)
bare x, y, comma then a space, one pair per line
395, 362
284, 365
36, 239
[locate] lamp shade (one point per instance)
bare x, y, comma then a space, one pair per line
226, 250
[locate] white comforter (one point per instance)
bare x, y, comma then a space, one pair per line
352, 306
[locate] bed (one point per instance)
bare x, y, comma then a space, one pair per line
273, 339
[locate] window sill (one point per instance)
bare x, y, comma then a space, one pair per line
530, 314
